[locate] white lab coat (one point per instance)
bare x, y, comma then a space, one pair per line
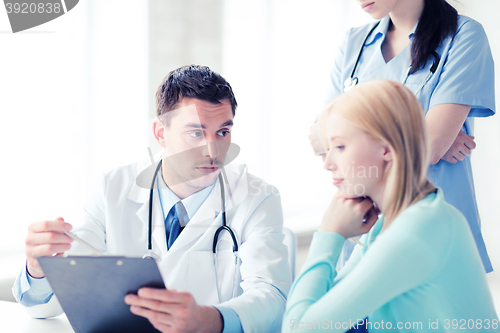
116, 222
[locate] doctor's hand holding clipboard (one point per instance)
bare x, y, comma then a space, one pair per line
167, 309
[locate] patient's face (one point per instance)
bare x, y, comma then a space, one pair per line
354, 158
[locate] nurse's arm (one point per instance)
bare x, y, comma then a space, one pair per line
447, 141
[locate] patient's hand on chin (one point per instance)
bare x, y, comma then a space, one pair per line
349, 216
372, 213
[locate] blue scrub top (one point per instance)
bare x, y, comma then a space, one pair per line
465, 75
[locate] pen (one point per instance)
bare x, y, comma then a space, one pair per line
84, 243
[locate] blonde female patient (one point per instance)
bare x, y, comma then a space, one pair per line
417, 268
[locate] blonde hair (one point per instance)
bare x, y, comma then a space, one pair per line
389, 112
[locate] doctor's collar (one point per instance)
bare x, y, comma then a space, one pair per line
191, 203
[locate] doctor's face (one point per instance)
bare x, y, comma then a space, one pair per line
379, 8
195, 139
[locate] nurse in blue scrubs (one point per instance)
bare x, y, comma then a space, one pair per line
445, 60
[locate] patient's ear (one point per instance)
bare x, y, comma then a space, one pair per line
386, 152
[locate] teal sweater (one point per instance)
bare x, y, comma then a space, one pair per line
421, 274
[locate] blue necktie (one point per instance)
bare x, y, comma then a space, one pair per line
172, 225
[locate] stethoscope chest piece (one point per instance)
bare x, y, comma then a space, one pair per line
350, 83
151, 255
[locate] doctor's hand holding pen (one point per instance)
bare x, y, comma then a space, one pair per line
46, 238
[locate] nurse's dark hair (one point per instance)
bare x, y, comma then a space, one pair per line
193, 81
437, 22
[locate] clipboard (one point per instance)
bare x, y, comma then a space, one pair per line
91, 290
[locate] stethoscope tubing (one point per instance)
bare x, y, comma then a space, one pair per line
223, 227
150, 216
361, 50
353, 80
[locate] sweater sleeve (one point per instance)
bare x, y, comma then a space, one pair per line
393, 265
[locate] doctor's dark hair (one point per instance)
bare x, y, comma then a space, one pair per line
437, 22
193, 81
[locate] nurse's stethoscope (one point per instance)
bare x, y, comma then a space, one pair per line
216, 240
353, 80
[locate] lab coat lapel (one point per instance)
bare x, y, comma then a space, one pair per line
206, 216
141, 196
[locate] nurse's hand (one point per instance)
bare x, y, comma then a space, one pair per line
315, 140
462, 147
45, 239
345, 216
174, 311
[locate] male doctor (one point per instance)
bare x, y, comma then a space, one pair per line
195, 108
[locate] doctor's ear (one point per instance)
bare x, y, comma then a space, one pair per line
159, 132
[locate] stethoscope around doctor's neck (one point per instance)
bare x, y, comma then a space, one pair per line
353, 80
216, 240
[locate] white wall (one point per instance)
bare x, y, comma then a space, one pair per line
73, 104
40, 126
